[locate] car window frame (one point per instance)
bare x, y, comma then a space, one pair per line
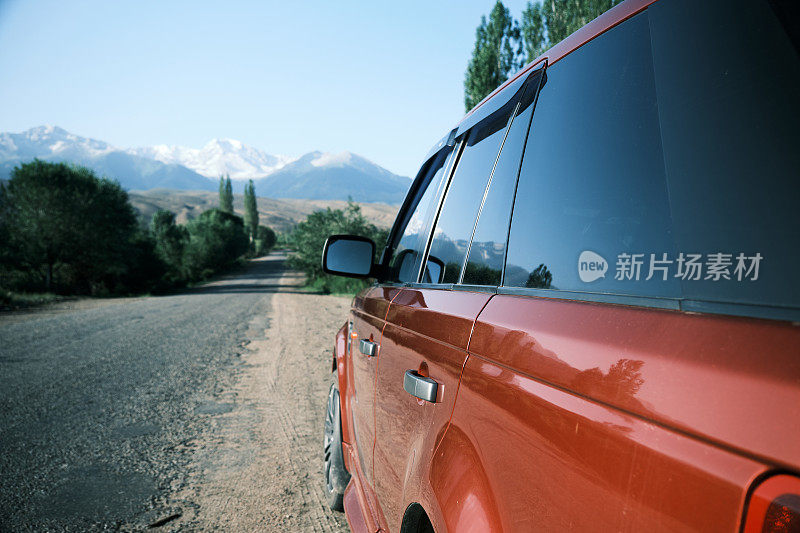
515, 91
656, 303
679, 303
540, 75
458, 150
410, 204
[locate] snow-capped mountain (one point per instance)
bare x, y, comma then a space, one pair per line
51, 143
315, 175
47, 141
320, 175
218, 157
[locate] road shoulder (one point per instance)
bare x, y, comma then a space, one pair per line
259, 465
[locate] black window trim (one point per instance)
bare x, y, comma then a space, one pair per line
411, 201
542, 81
514, 90
455, 157
495, 103
441, 143
486, 191
489, 181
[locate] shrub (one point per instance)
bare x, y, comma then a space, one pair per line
308, 240
265, 240
216, 240
170, 245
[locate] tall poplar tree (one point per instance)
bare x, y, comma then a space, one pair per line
250, 210
496, 50
225, 194
502, 44
551, 21
533, 29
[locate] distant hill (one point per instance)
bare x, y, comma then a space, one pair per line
280, 215
314, 176
51, 143
218, 157
319, 175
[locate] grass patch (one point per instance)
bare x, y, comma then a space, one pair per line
335, 286
16, 300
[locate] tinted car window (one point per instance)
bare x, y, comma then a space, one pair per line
488, 247
407, 255
465, 192
591, 211
728, 84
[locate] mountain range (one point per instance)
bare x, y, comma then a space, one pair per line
315, 175
217, 157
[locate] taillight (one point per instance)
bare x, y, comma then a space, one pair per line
774, 506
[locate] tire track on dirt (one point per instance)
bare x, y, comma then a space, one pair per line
259, 466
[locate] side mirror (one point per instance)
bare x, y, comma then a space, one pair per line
434, 269
404, 265
348, 255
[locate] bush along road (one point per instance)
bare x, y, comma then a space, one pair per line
196, 411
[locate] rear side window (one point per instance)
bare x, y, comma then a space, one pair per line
407, 256
663, 161
488, 247
728, 84
592, 190
457, 218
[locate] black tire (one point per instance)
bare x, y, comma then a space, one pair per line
336, 475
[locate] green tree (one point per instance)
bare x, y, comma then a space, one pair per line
67, 227
495, 54
308, 240
170, 244
225, 194
6, 253
540, 278
550, 22
146, 269
533, 29
216, 240
250, 211
265, 240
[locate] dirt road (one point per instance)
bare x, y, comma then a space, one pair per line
201, 411
260, 465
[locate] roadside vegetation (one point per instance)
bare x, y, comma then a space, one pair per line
64, 230
308, 240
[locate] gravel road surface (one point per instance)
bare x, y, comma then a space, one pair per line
196, 411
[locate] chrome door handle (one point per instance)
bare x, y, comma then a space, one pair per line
368, 348
420, 386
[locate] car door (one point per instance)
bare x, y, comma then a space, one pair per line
590, 402
369, 308
429, 323
367, 318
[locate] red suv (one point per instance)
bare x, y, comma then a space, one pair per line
587, 313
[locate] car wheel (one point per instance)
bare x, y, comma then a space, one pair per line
336, 475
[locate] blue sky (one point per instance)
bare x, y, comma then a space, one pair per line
382, 79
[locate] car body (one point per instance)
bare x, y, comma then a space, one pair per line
586, 317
